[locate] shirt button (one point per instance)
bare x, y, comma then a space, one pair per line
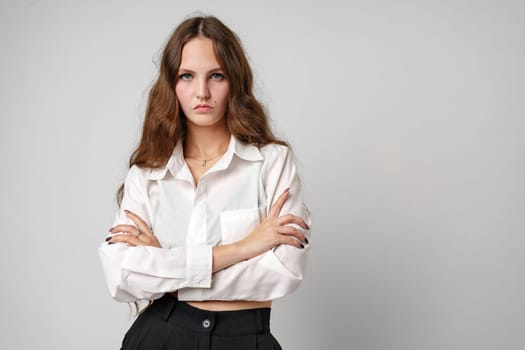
206, 323
203, 188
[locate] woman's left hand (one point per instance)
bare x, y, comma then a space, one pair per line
137, 235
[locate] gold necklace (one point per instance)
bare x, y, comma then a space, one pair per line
204, 161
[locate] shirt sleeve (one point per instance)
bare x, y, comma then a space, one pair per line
145, 272
279, 271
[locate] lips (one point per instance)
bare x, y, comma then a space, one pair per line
202, 107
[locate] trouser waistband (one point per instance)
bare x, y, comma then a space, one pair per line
222, 323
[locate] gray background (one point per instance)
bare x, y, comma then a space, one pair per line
406, 117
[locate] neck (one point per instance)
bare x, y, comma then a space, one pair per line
206, 142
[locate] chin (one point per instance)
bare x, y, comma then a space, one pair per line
204, 122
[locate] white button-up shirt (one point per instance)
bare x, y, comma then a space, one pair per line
231, 198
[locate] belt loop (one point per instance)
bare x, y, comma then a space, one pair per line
259, 318
169, 307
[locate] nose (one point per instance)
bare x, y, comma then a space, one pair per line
203, 91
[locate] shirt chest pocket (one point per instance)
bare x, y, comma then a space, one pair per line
237, 224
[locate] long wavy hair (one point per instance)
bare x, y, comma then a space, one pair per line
164, 123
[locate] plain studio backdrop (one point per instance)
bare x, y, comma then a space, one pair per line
407, 121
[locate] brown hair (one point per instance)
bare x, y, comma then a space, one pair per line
164, 123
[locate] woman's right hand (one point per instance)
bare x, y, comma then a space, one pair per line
272, 231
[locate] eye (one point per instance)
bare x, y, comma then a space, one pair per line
217, 76
185, 76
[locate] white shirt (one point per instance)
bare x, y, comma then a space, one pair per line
231, 198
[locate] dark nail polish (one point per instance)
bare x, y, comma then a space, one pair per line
302, 246
306, 240
107, 239
111, 242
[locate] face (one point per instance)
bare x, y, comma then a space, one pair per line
201, 88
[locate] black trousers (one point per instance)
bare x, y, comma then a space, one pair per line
175, 325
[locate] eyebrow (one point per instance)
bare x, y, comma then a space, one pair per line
190, 71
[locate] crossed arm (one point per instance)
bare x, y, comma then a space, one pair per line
271, 232
266, 264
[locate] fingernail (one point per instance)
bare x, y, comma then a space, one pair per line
307, 226
306, 240
127, 211
111, 242
287, 189
302, 246
107, 239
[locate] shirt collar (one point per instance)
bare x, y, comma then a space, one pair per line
244, 150
177, 166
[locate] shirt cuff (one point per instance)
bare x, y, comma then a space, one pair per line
199, 260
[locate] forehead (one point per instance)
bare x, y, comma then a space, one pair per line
199, 54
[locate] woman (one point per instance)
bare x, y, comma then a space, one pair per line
211, 225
